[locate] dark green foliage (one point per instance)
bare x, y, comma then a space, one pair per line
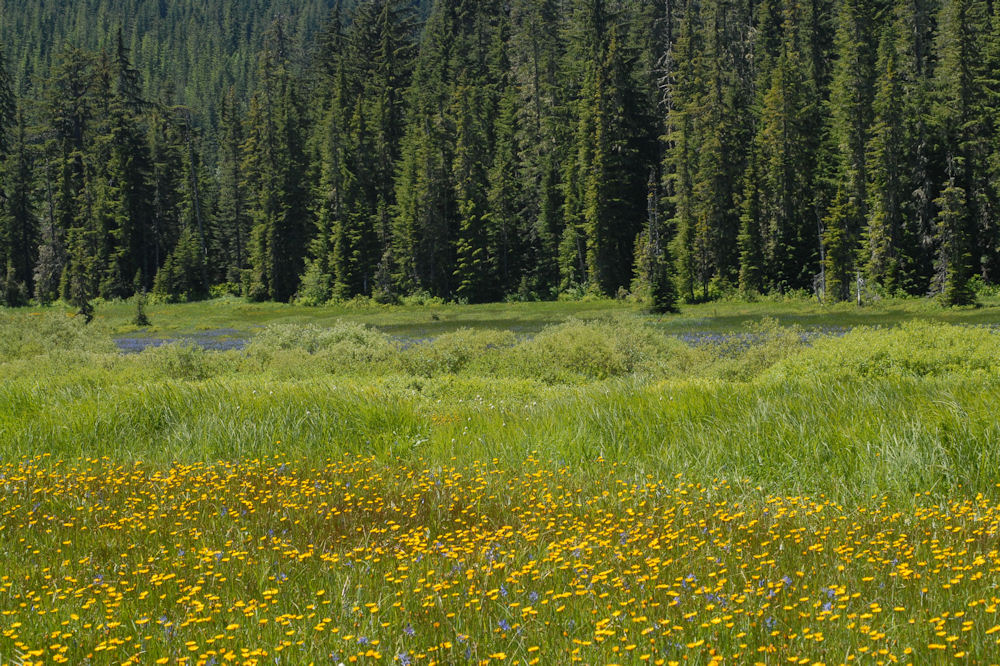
786, 173
276, 169
232, 218
478, 151
180, 277
964, 222
654, 266
851, 99
18, 221
140, 318
955, 264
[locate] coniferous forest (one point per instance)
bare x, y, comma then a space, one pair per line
483, 150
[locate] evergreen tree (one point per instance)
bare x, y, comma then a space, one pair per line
167, 161
474, 276
537, 50
232, 220
851, 99
18, 221
654, 266
433, 208
275, 165
607, 207
964, 222
511, 236
180, 277
990, 83
954, 236
786, 149
8, 110
511, 155
685, 90
884, 243
112, 239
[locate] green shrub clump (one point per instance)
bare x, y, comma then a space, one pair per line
915, 349
23, 337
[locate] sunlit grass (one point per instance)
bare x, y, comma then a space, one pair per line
595, 491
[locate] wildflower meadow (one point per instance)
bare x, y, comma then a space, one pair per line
331, 495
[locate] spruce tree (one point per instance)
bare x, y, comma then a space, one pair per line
232, 218
963, 221
441, 184
851, 99
425, 219
511, 235
18, 220
686, 90
954, 237
537, 50
990, 82
786, 149
8, 108
884, 246
123, 198
474, 277
608, 179
276, 167
654, 265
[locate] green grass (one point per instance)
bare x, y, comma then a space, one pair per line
419, 321
792, 496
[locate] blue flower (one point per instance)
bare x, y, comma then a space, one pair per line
504, 625
409, 630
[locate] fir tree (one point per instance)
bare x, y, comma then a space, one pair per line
510, 235
785, 147
851, 98
884, 243
537, 49
232, 218
8, 109
685, 91
955, 262
275, 167
474, 278
654, 266
964, 222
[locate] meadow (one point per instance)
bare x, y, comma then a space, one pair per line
521, 483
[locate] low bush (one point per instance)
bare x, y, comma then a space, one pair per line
37, 334
916, 349
454, 352
599, 349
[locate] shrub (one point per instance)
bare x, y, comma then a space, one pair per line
36, 334
765, 343
915, 349
180, 360
453, 352
601, 349
342, 347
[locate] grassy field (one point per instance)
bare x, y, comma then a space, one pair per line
426, 320
525, 483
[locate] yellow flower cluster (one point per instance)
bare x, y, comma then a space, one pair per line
361, 561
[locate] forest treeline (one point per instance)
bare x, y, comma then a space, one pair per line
478, 150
